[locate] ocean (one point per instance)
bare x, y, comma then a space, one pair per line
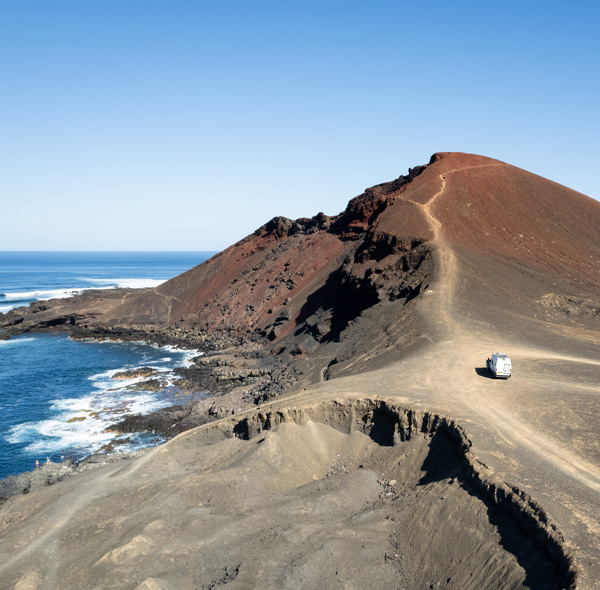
58, 398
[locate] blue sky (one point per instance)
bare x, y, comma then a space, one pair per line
185, 125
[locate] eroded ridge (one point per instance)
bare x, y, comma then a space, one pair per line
390, 425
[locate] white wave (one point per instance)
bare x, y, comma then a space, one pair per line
144, 404
81, 423
50, 436
173, 348
15, 341
105, 380
41, 294
188, 353
45, 294
71, 432
128, 283
106, 374
188, 359
77, 404
22, 432
110, 404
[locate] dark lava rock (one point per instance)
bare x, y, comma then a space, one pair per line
149, 385
135, 373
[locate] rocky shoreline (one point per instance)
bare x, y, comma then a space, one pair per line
232, 374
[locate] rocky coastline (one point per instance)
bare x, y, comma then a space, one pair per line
232, 374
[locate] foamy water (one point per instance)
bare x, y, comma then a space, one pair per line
15, 341
40, 295
57, 397
62, 399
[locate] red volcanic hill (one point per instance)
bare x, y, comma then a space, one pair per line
494, 242
317, 275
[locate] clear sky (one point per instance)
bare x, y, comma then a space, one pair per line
185, 125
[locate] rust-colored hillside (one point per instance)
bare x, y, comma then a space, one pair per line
313, 275
494, 208
317, 275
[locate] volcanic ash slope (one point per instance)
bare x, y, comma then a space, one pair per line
357, 494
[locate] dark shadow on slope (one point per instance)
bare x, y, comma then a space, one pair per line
357, 285
442, 461
328, 311
540, 575
380, 426
517, 519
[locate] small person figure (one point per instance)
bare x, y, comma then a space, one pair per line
37, 463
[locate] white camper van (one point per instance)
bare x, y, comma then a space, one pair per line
499, 366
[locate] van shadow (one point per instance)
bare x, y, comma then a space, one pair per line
483, 372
